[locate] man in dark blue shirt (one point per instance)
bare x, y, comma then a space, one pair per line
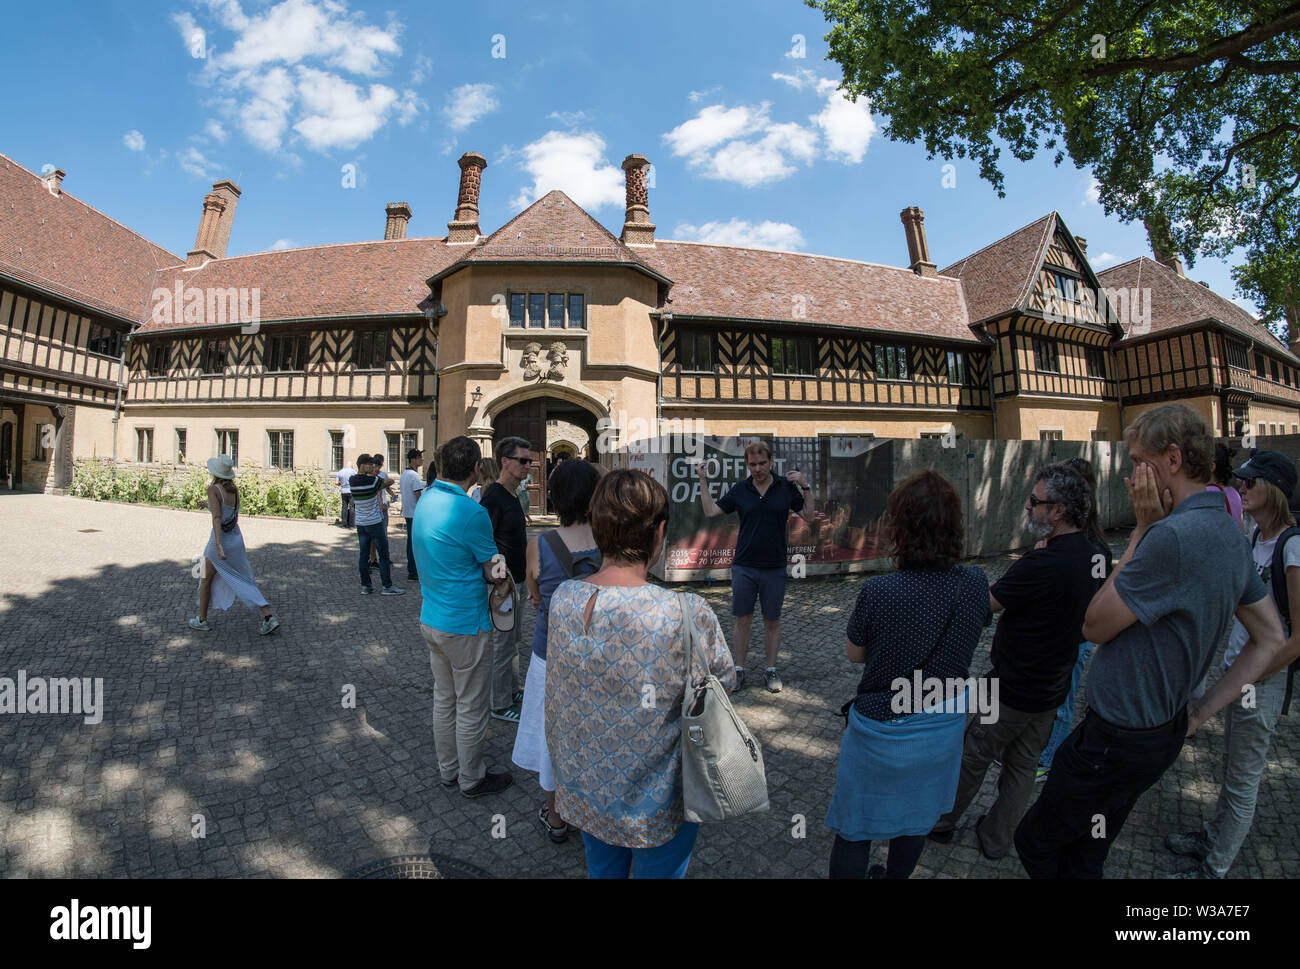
764, 501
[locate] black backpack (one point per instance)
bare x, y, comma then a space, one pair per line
1278, 578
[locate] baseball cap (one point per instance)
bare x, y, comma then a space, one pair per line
415, 452
1277, 469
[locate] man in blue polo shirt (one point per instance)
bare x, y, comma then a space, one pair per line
455, 555
764, 501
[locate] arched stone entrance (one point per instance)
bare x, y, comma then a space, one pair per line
533, 419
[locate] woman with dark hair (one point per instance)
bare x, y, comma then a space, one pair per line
567, 552
899, 760
1065, 714
616, 678
431, 472
1222, 483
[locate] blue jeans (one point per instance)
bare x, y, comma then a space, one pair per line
668, 860
1065, 715
377, 535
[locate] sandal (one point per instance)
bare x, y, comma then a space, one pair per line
557, 835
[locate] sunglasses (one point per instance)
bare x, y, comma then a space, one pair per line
523, 461
1035, 501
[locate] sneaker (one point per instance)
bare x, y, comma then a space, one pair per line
451, 784
412, 578
269, 625
366, 590
1041, 774
510, 714
492, 783
1193, 844
941, 837
740, 679
393, 590
518, 697
1198, 870
557, 835
773, 680
200, 624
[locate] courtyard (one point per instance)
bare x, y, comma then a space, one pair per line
229, 754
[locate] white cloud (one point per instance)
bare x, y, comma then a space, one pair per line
800, 79
283, 244
422, 69
467, 103
848, 127
712, 126
763, 235
1093, 192
286, 74
696, 96
1105, 259
133, 140
574, 163
570, 119
196, 163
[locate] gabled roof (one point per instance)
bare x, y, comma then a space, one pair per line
1179, 301
61, 245
552, 229
999, 277
355, 279
729, 282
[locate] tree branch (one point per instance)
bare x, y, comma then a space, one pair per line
1261, 136
1051, 24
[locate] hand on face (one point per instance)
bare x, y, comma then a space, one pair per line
1150, 504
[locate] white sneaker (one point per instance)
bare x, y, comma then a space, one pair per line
269, 625
197, 623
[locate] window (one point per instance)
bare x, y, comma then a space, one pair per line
891, 362
695, 350
1272, 429
1066, 286
1295, 428
956, 367
1262, 429
281, 454
104, 341
371, 350
144, 445
281, 353
1051, 434
159, 359
228, 443
1236, 353
1045, 357
180, 445
214, 356
536, 310
1095, 357
793, 354
517, 309
1273, 369
38, 442
399, 442
577, 311
1259, 365
336, 450
555, 310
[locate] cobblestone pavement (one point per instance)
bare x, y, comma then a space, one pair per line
252, 734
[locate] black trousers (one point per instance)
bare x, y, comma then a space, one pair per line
849, 858
1099, 772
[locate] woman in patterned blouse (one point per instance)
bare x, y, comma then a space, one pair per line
616, 675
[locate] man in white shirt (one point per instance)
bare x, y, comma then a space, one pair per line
411, 483
344, 475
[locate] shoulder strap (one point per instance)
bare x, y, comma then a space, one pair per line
690, 635
560, 551
947, 624
1280, 596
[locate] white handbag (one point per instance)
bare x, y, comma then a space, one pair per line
722, 764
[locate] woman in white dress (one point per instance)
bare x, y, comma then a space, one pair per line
226, 572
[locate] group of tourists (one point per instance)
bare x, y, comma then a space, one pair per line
921, 733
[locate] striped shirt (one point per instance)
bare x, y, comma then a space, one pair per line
365, 498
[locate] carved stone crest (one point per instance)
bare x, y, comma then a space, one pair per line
532, 368
558, 358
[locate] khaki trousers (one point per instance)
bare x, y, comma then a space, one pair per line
461, 688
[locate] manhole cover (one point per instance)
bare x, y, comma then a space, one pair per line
418, 866
88, 529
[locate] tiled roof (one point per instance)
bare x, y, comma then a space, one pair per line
355, 279
61, 245
1000, 276
1178, 301
552, 229
729, 282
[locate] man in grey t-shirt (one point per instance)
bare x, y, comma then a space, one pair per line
1156, 622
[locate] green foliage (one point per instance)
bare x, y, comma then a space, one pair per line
261, 492
1184, 109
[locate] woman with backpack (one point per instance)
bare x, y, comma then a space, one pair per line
226, 572
1269, 480
567, 552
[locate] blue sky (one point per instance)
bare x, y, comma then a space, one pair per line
751, 144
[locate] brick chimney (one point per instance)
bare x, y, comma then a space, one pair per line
917, 249
54, 181
399, 214
464, 227
214, 225
1082, 243
1162, 244
638, 230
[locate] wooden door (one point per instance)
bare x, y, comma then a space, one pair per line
6, 452
527, 420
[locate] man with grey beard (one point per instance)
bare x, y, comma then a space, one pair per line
1043, 598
